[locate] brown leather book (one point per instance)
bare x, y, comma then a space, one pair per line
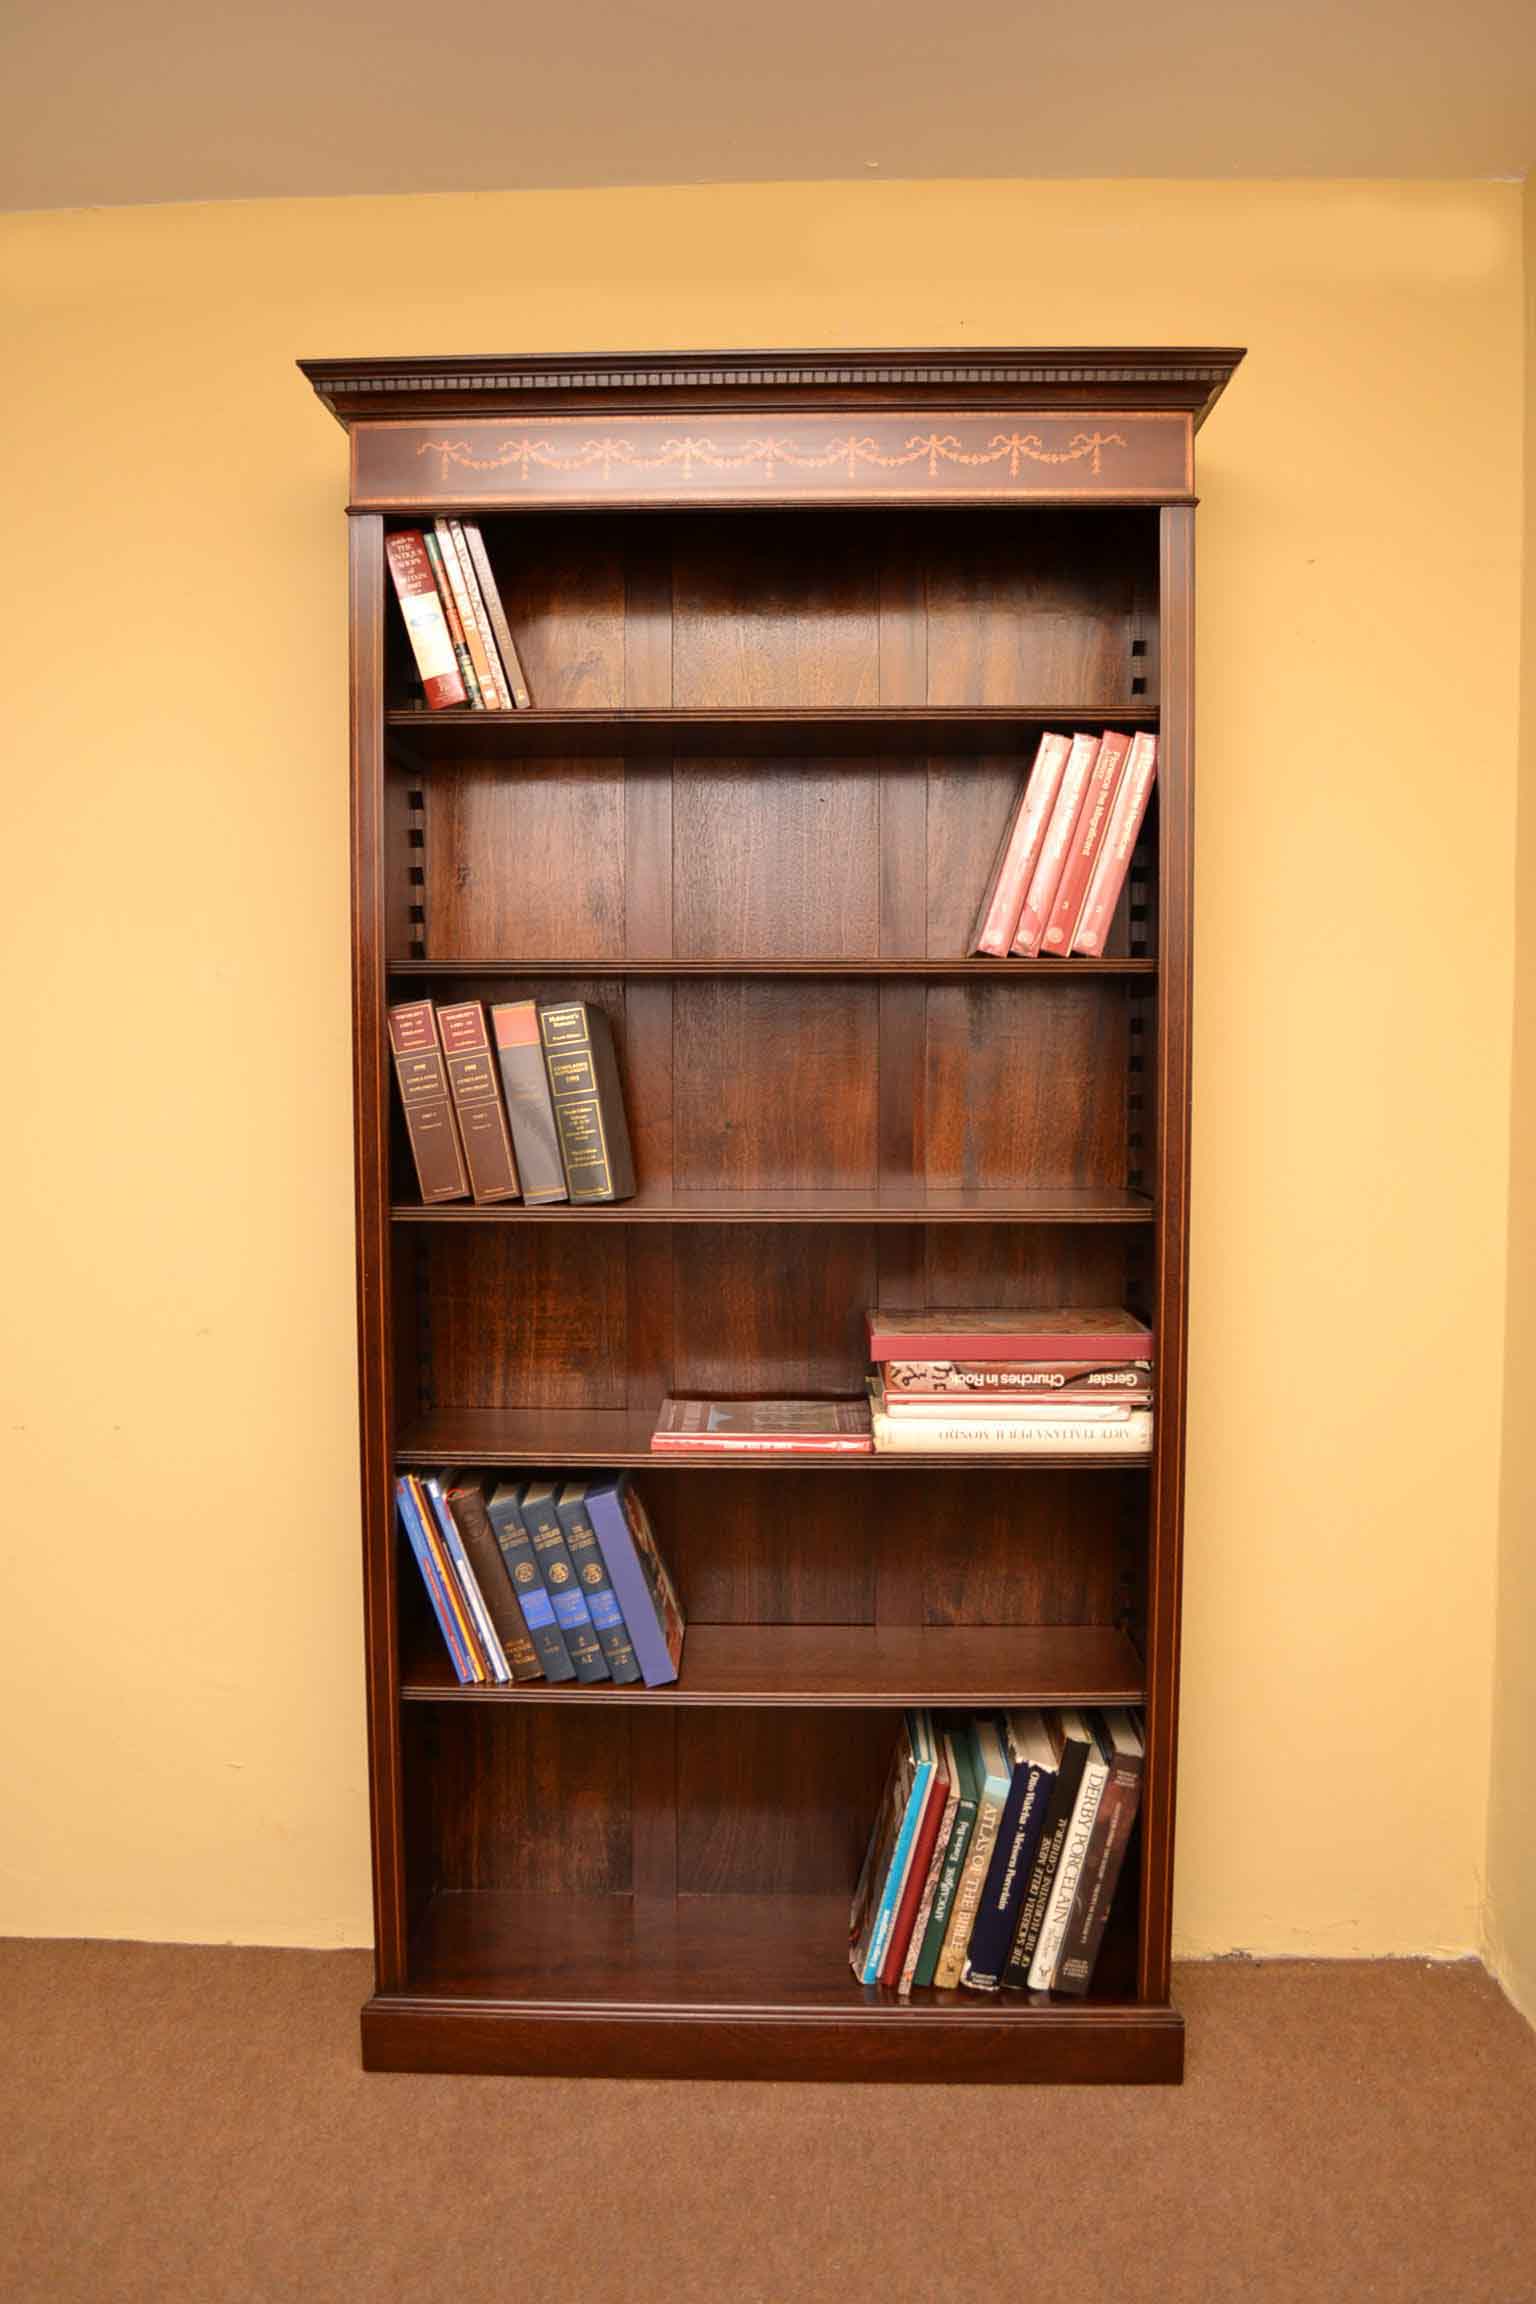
477, 1100
515, 1024
490, 593
428, 1105
589, 1109
466, 1499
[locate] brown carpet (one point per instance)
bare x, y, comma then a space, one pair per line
194, 2124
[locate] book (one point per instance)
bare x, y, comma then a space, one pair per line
765, 1427
914, 1879
536, 1503
530, 1115
476, 1090
997, 1406
596, 1585
1116, 848
927, 1384
465, 1497
1084, 1429
426, 626
963, 1743
493, 1655
1075, 1746
427, 1101
458, 583
1074, 1848
462, 656
577, 1039
1018, 851
1083, 848
490, 593
448, 1582
992, 1793
1034, 1746
522, 1570
503, 701
1101, 1333
431, 1576
1040, 897
949, 1759
644, 1590
873, 1913
1105, 1856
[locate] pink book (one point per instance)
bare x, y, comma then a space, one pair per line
1114, 857
1019, 851
1046, 877
1083, 849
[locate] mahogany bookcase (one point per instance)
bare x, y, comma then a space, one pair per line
792, 624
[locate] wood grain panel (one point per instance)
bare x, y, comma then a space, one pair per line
775, 861
771, 1308
1034, 610
777, 1803
531, 1317
1026, 1083
780, 617
1021, 1267
1019, 1546
772, 1548
563, 589
533, 1799
969, 806
521, 863
775, 1084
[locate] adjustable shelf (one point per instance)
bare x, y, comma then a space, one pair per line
1019, 971
791, 733
656, 1205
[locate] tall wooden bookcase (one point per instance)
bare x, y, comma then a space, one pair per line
792, 624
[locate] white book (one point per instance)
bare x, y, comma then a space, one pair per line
1074, 1848
1015, 1432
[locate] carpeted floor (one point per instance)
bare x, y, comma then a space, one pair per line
193, 2124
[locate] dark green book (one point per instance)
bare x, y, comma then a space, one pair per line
963, 1738
541, 1518
596, 1590
589, 1109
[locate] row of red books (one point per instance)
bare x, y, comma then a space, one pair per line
454, 618
1062, 861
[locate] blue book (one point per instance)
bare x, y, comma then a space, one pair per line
596, 1586
516, 1549
644, 1591
891, 1844
542, 1521
1034, 1750
416, 1537
464, 1576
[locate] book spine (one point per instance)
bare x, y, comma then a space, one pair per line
1100, 1875
447, 1622
530, 1115
449, 1581
904, 1926
490, 692
466, 662
1117, 847
490, 593
918, 1383
426, 627
998, 919
1042, 1968
460, 1568
466, 1501
997, 1914
559, 1573
1098, 804
1042, 1872
516, 1549
917, 1941
1034, 917
762, 1443
482, 618
957, 1936
597, 1589
649, 1605
476, 1090
895, 1876
589, 1112
430, 1124
950, 1875
1021, 1435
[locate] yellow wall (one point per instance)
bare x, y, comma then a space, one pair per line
1512, 1805
179, 1633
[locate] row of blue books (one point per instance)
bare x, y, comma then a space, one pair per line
543, 1579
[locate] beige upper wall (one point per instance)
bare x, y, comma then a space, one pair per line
179, 1633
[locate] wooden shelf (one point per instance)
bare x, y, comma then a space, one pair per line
1063, 1206
1020, 971
864, 1665
870, 733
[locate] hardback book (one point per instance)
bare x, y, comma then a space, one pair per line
963, 1743
1074, 1849
464, 1668
430, 1121
992, 1763
765, 1427
462, 1571
472, 1077
1018, 851
1105, 1857
467, 1501
589, 1109
1116, 849
929, 1384
1103, 1334
1034, 1745
873, 1913
516, 1548
461, 653
531, 1116
950, 1767
1040, 896
915, 1877
1083, 850
537, 1504
490, 691
490, 593
1084, 1429
425, 624
503, 701
448, 1582
596, 1584
996, 1405
644, 1590
1076, 1745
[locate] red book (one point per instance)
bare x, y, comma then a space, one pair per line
917, 1872
1114, 858
765, 1427
425, 624
1046, 877
1100, 1334
1083, 849
1019, 851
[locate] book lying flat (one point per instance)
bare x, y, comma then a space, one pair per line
1102, 1333
1100, 1427
932, 1383
1081, 1399
819, 1427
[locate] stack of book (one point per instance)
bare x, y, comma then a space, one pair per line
1066, 850
454, 618
955, 1383
997, 1850
543, 1579
542, 1121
